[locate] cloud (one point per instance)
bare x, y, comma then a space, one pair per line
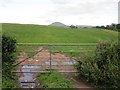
80, 8
66, 11
4, 3
88, 11
59, 1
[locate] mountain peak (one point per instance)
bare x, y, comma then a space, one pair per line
58, 24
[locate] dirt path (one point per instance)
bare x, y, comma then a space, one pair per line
77, 83
80, 84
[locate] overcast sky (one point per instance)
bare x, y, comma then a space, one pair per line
44, 12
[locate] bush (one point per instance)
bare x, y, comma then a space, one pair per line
53, 80
8, 49
102, 69
8, 83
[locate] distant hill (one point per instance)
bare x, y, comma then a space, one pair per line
58, 24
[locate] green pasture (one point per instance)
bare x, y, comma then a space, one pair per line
26, 33
53, 80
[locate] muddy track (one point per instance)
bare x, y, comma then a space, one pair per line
42, 58
76, 82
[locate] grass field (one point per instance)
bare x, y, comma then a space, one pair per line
53, 80
25, 33
50, 34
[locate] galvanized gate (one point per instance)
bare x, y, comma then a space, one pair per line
44, 58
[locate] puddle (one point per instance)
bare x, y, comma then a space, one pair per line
52, 63
63, 62
27, 80
69, 62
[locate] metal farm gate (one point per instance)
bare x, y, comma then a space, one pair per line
43, 59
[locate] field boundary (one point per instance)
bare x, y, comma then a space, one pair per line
56, 44
50, 55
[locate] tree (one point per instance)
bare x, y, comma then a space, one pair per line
118, 27
113, 27
107, 26
72, 26
102, 27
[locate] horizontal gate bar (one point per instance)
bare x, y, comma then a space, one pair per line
47, 65
44, 72
37, 44
27, 82
56, 51
48, 57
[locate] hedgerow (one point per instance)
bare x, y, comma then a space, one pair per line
102, 69
8, 50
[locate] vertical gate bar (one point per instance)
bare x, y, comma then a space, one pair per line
50, 62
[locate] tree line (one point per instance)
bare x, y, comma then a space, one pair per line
114, 27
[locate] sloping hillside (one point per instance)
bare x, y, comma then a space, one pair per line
25, 33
